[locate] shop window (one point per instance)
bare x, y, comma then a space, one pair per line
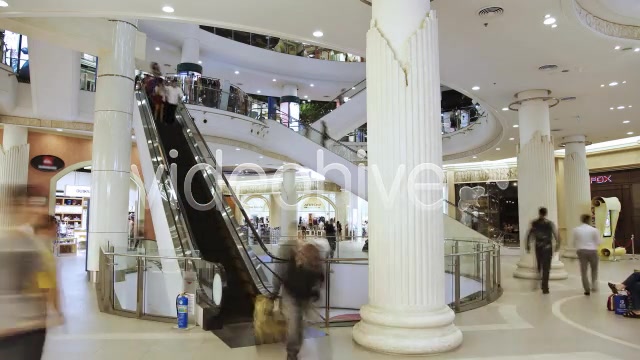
88, 71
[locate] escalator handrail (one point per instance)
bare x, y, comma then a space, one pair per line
162, 159
479, 219
340, 96
231, 192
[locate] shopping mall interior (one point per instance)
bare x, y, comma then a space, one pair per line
186, 149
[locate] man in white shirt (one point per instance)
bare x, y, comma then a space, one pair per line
587, 239
173, 95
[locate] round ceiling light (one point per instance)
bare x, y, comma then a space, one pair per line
516, 125
168, 9
549, 21
236, 72
312, 85
620, 107
475, 157
199, 61
475, 88
613, 83
274, 80
318, 33
630, 133
547, 16
636, 49
258, 91
554, 26
602, 85
618, 47
511, 139
505, 109
3, 4
610, 108
497, 149
626, 122
157, 48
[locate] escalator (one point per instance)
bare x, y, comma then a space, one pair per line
211, 229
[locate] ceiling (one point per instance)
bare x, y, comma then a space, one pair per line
501, 55
619, 11
257, 67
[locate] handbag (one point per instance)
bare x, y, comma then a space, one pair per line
270, 324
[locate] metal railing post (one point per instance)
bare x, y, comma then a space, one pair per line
456, 281
140, 289
478, 259
499, 267
487, 275
327, 294
494, 275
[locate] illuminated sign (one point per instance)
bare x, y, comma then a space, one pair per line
601, 179
77, 191
49, 163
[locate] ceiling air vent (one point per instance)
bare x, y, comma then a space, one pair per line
568, 98
548, 67
490, 11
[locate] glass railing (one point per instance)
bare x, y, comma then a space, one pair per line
132, 283
284, 46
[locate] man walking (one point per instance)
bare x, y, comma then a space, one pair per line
587, 239
173, 96
543, 231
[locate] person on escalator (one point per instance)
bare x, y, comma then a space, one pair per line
301, 284
325, 133
173, 97
159, 97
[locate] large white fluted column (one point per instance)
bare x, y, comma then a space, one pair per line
406, 313
111, 165
289, 205
14, 166
576, 186
342, 208
536, 176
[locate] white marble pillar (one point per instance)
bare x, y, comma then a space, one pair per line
289, 205
111, 165
14, 166
342, 208
406, 313
536, 176
577, 187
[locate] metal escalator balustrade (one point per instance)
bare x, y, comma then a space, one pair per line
481, 224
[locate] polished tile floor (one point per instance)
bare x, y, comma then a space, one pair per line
522, 324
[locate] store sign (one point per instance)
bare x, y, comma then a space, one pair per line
47, 163
77, 191
313, 204
601, 179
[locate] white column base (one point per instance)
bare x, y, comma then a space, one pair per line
527, 269
407, 332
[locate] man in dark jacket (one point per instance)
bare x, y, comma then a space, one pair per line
543, 231
330, 231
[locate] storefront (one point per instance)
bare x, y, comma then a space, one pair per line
314, 210
624, 185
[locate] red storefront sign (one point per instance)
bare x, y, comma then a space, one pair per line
601, 179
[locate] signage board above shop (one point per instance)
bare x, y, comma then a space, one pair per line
77, 191
601, 179
48, 163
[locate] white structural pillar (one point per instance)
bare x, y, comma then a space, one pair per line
191, 44
577, 187
536, 176
406, 313
111, 166
14, 165
342, 208
288, 206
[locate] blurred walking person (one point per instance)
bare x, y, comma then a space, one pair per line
325, 133
543, 232
587, 239
301, 287
27, 281
330, 231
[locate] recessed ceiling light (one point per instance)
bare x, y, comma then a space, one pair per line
636, 49
3, 4
613, 83
630, 106
273, 80
505, 109
549, 21
157, 48
602, 85
133, 137
516, 125
168, 9
199, 61
312, 85
236, 164
511, 139
318, 33
554, 26
261, 157
237, 149
624, 82
617, 47
547, 16
236, 72
620, 107
475, 157
258, 91
353, 88
610, 108
498, 149
306, 96
475, 88
630, 133
626, 122
59, 130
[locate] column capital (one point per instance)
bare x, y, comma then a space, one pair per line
525, 96
575, 139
